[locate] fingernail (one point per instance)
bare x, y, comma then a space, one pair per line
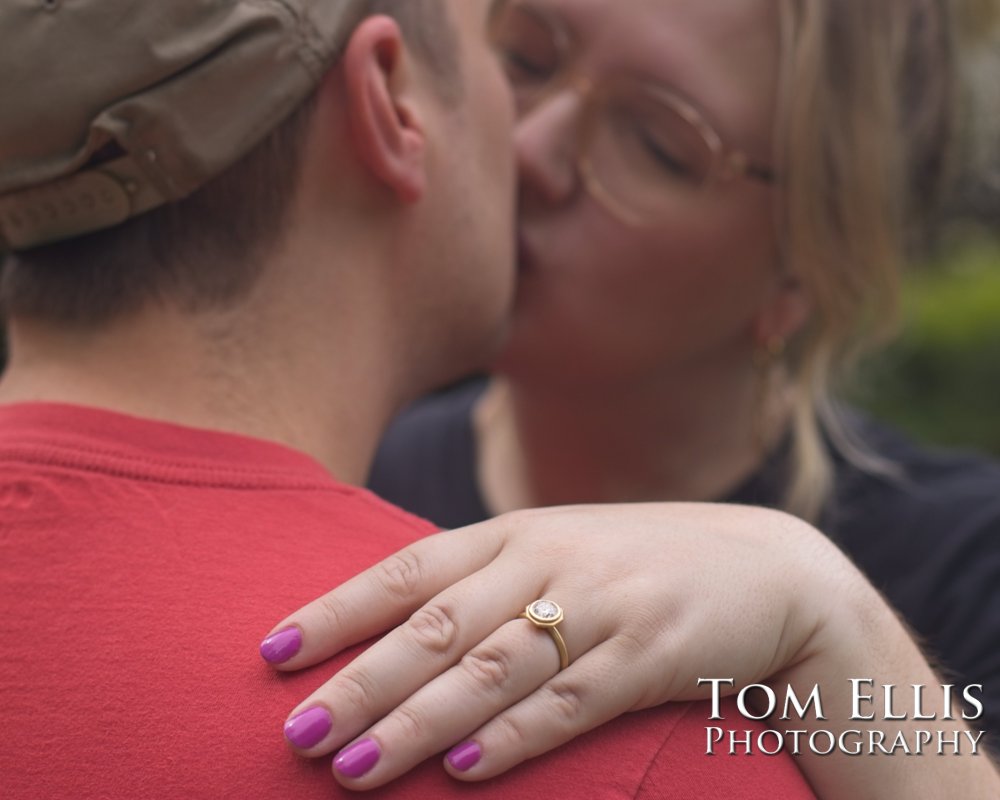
309, 728
359, 758
465, 756
281, 646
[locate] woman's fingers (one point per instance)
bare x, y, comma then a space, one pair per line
494, 675
379, 598
432, 640
592, 691
508, 702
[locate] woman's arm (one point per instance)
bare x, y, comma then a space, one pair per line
656, 597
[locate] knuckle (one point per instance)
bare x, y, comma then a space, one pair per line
434, 628
510, 733
412, 724
630, 644
401, 575
333, 613
565, 700
650, 635
357, 688
490, 668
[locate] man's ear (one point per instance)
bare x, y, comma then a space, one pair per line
785, 312
382, 108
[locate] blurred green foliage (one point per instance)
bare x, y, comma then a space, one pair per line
940, 379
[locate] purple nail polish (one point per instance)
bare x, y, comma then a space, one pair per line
309, 728
358, 759
281, 646
465, 756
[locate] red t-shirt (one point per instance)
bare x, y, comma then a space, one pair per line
141, 565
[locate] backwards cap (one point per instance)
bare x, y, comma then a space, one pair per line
109, 108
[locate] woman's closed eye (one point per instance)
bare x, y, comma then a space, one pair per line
525, 68
647, 151
662, 155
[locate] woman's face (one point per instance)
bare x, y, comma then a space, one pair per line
601, 299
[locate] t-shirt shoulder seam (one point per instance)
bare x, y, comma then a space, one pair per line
656, 756
192, 474
165, 470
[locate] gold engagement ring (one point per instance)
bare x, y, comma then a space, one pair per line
546, 615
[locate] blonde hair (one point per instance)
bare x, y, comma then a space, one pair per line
863, 123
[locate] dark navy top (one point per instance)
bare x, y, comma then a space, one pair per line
930, 541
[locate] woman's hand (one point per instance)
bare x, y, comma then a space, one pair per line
655, 596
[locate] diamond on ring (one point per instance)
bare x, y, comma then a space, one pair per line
544, 613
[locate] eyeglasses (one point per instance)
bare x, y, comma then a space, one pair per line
641, 147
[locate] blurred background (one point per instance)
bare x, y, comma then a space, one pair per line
940, 378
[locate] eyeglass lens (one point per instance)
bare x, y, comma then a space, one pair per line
638, 142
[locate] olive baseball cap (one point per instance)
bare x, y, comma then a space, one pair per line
113, 107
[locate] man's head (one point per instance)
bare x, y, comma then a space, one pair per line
173, 153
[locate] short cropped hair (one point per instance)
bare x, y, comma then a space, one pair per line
206, 251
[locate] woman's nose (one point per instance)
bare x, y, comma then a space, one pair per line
547, 141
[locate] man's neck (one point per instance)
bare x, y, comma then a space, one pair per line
258, 373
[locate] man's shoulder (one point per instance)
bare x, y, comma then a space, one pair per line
75, 466
150, 571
